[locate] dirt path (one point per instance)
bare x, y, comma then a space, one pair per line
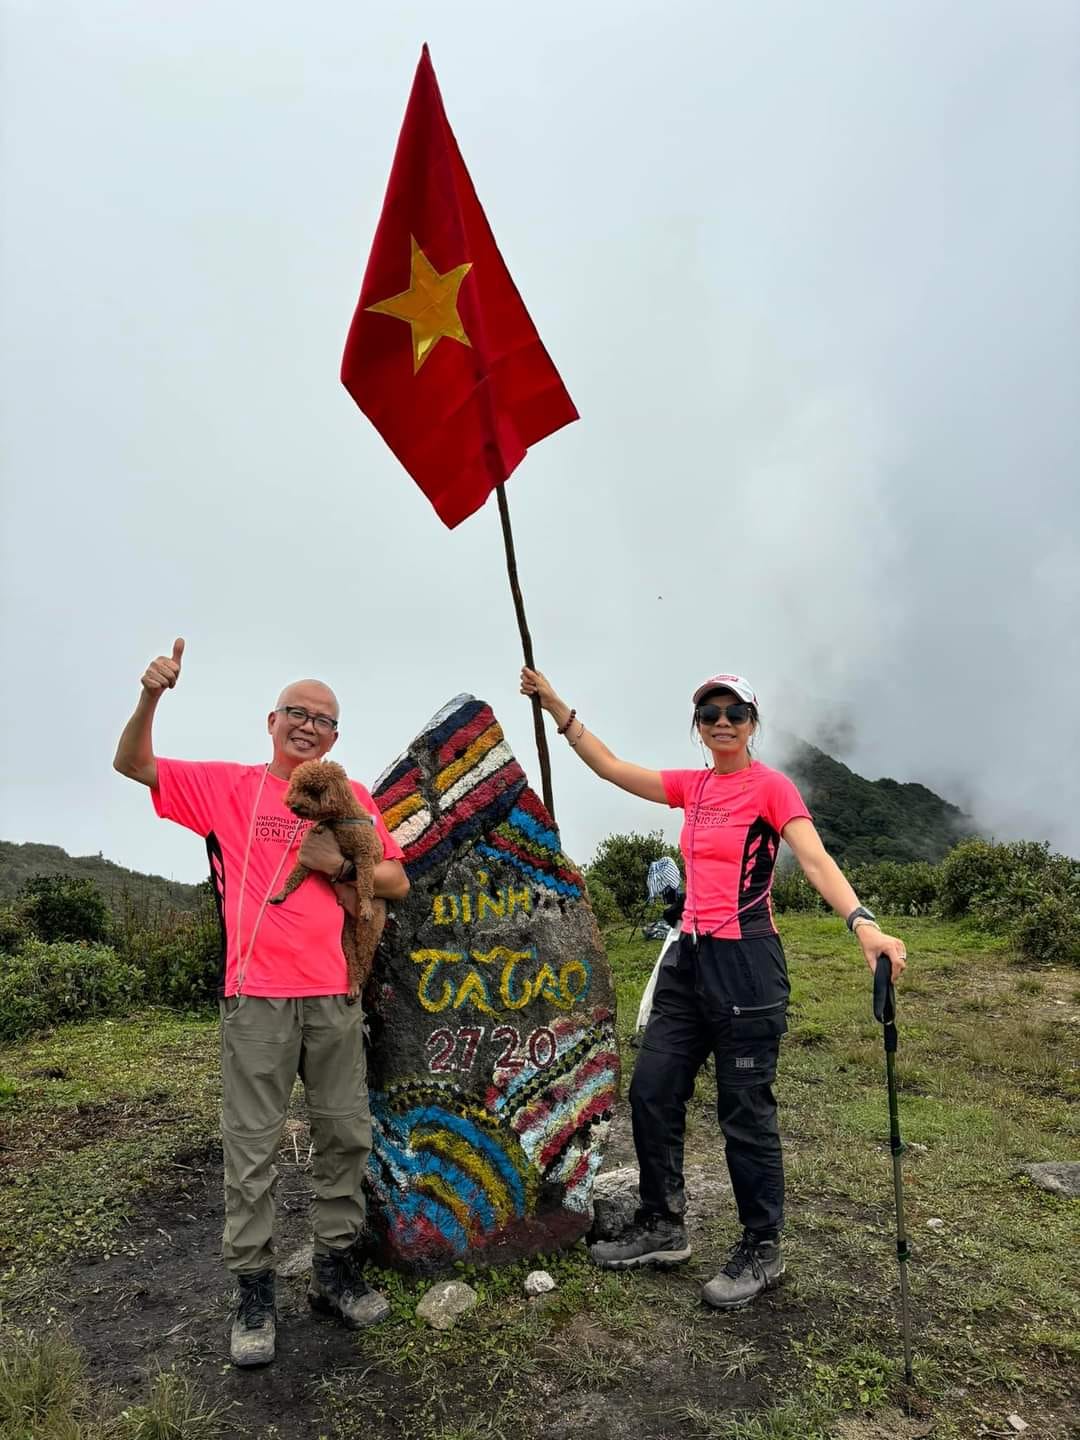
166, 1300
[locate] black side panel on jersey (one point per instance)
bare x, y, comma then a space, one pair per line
758, 862
217, 884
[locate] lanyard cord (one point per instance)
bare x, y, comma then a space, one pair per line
690, 857
692, 893
242, 960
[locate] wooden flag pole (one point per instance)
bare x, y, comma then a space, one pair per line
526, 645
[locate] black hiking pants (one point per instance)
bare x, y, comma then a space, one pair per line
728, 999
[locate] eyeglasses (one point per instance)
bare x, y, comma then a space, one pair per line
709, 714
325, 724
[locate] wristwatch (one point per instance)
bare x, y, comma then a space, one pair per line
860, 913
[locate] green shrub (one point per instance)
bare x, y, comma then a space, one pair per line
622, 864
792, 891
15, 929
60, 907
1023, 889
179, 951
969, 874
1049, 931
42, 985
1029, 873
895, 888
603, 903
181, 959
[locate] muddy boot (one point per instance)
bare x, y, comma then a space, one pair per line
647, 1240
254, 1329
753, 1266
338, 1288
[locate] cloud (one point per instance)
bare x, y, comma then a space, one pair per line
809, 276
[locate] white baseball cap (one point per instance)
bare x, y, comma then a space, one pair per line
737, 684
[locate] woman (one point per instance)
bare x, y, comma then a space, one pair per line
724, 989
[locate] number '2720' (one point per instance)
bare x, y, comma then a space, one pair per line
457, 1049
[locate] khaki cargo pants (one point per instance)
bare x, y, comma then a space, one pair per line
265, 1044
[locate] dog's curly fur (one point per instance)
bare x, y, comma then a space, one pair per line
319, 791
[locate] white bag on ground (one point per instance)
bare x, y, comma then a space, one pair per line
645, 1008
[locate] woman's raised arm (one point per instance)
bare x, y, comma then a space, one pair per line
589, 747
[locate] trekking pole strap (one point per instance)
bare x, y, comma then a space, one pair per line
885, 1001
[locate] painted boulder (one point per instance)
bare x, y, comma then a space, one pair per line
493, 1067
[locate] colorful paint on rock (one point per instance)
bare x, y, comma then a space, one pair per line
494, 1069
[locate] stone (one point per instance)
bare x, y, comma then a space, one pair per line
616, 1198
493, 1065
615, 1202
935, 1224
1017, 1424
443, 1305
1061, 1177
538, 1282
298, 1263
612, 1182
707, 1191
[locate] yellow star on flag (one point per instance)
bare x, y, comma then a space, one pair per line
429, 305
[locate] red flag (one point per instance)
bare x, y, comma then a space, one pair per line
442, 356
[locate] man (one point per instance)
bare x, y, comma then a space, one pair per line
283, 992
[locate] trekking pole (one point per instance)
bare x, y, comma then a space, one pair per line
635, 923
885, 1014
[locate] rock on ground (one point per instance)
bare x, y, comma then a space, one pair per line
443, 1304
1061, 1177
615, 1198
538, 1282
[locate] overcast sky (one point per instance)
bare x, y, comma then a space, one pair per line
809, 271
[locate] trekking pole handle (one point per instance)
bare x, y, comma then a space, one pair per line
884, 995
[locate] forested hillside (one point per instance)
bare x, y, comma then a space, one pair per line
119, 886
866, 820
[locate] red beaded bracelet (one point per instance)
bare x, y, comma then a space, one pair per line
563, 728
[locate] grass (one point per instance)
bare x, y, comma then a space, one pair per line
44, 1395
989, 1079
92, 1115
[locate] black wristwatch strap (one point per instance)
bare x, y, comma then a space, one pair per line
860, 913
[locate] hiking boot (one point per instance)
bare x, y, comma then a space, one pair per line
753, 1266
338, 1288
255, 1326
647, 1240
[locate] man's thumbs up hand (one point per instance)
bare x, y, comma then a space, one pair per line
163, 673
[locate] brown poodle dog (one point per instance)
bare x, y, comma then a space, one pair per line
320, 791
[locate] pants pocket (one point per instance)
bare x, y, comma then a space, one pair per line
751, 1047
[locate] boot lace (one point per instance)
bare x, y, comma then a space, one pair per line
256, 1303
744, 1253
344, 1273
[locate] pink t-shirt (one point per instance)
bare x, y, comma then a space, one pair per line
297, 945
729, 841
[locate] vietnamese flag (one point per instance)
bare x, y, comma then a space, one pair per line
442, 356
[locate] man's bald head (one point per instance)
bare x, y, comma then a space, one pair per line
298, 739
314, 695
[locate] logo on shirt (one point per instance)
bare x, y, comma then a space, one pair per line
276, 829
708, 818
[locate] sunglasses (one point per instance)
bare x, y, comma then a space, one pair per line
709, 714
